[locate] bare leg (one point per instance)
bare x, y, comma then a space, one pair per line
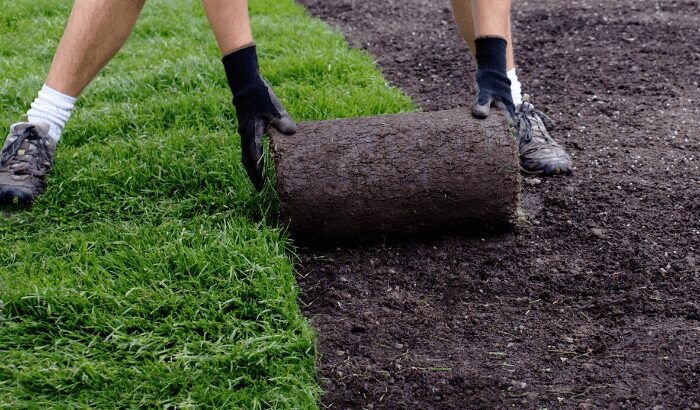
96, 30
230, 23
492, 19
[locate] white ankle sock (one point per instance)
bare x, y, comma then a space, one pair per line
53, 108
515, 88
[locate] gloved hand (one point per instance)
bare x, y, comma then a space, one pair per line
493, 84
255, 110
256, 107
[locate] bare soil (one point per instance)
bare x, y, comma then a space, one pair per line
596, 304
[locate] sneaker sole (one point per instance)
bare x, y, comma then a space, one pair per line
545, 172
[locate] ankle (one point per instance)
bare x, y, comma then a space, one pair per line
53, 108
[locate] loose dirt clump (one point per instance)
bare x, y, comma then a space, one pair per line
596, 304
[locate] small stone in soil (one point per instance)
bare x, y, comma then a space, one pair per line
598, 232
533, 181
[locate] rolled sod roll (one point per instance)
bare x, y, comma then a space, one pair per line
397, 177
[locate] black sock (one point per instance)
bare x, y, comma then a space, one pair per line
492, 74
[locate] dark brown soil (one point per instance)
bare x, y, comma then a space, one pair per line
361, 180
597, 304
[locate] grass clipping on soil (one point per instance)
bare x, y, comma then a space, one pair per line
147, 276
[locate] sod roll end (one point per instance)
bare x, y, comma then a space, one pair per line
397, 177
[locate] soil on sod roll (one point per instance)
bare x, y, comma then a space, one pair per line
400, 176
596, 304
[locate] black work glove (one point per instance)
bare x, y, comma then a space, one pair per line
256, 107
493, 84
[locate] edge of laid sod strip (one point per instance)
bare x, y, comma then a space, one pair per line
143, 277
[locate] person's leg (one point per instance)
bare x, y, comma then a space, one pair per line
463, 11
464, 17
485, 26
488, 19
256, 104
230, 23
96, 30
491, 18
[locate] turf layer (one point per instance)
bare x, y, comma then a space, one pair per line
150, 273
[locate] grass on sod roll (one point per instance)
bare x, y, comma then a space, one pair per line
150, 273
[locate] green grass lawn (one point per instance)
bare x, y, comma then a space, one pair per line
149, 274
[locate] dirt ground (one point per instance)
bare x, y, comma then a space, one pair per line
597, 303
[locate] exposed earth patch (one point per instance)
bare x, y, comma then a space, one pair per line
597, 303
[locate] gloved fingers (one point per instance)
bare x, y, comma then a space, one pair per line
252, 153
506, 108
482, 104
493, 88
283, 122
480, 110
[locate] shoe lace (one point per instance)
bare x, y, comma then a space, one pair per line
9, 153
524, 120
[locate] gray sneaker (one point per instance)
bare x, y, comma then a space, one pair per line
539, 153
25, 159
